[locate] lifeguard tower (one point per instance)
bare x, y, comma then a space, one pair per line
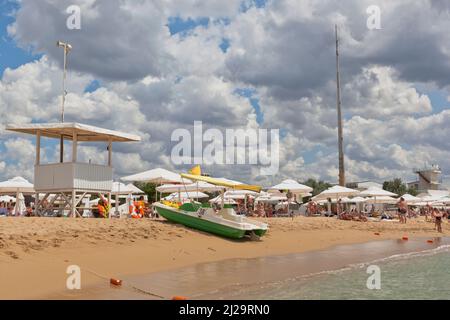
65, 184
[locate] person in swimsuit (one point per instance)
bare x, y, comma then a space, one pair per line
438, 219
402, 210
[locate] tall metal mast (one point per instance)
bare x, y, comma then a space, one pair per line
339, 115
67, 47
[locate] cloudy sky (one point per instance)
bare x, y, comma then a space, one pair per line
152, 66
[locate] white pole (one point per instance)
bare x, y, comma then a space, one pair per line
72, 206
74, 147
63, 100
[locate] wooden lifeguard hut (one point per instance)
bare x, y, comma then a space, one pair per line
65, 184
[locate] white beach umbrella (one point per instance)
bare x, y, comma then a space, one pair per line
345, 200
271, 197
410, 199
218, 199
200, 186
382, 200
134, 189
16, 185
119, 188
377, 192
20, 207
441, 202
228, 180
240, 194
186, 195
158, 176
357, 200
292, 186
429, 199
336, 192
7, 199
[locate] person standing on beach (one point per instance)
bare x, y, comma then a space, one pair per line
402, 210
438, 219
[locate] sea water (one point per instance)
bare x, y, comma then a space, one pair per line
417, 275
414, 269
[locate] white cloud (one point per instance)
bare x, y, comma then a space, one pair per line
153, 83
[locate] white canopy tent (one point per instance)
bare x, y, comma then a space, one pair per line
16, 185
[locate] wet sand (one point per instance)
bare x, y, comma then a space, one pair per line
35, 252
219, 280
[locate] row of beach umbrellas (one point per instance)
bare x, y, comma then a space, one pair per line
173, 182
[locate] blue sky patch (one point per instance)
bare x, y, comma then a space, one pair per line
250, 94
10, 55
246, 5
184, 26
224, 45
91, 87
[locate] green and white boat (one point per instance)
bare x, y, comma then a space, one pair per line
223, 222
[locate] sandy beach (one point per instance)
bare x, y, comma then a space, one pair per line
35, 252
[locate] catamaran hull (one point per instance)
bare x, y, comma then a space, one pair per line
205, 225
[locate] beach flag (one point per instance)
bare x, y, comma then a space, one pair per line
196, 171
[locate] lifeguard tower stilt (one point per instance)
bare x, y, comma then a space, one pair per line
65, 184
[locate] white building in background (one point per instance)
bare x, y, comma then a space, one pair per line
363, 185
429, 178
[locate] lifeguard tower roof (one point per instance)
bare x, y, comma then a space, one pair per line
83, 132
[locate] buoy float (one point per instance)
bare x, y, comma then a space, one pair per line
430, 241
405, 238
115, 282
179, 298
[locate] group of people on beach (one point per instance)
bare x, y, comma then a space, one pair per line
269, 210
431, 213
6, 208
137, 208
